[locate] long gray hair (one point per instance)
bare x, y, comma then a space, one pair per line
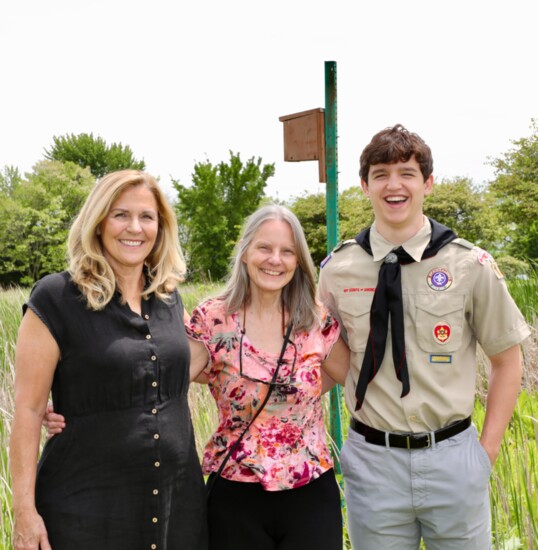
299, 295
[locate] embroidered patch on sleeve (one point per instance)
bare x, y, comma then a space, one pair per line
485, 258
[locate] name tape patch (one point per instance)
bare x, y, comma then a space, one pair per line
440, 358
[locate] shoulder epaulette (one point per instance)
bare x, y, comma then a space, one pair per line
343, 244
464, 243
339, 246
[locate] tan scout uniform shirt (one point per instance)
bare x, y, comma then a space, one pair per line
450, 302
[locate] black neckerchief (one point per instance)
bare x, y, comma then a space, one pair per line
388, 299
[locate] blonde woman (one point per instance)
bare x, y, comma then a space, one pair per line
107, 337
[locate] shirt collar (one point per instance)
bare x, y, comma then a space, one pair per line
415, 246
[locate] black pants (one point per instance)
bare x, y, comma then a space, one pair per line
242, 516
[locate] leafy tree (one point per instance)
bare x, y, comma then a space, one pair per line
311, 211
469, 211
94, 153
516, 190
354, 214
10, 178
35, 220
212, 210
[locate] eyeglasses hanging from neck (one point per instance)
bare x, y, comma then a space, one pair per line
289, 379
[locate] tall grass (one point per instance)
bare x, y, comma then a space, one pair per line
514, 482
525, 294
10, 315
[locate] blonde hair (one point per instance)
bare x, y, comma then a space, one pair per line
299, 295
89, 269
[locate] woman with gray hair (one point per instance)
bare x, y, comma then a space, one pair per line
266, 343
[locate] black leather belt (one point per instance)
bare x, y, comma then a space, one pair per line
408, 440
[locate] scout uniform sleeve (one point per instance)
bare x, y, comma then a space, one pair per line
495, 318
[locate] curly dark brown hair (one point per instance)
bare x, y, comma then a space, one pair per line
396, 144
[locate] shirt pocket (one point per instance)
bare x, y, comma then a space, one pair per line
354, 311
439, 322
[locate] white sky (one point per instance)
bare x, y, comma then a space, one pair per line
181, 81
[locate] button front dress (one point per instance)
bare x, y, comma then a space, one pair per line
124, 474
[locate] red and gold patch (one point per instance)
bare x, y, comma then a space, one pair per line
485, 258
441, 332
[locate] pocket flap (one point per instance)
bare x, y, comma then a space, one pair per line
356, 305
439, 305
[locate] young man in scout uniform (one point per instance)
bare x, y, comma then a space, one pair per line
414, 301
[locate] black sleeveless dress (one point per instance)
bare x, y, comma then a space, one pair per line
124, 474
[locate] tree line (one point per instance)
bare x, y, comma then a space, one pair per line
36, 210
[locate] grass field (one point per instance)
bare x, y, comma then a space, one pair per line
514, 483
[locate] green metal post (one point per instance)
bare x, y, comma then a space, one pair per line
331, 162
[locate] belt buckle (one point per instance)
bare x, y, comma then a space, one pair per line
417, 437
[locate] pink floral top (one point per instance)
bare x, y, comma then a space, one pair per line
286, 446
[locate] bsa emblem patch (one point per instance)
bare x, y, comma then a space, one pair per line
441, 333
439, 278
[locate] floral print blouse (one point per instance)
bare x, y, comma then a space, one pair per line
286, 446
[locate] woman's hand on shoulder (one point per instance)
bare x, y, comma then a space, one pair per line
53, 422
29, 532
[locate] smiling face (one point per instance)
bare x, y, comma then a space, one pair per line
130, 228
397, 193
271, 257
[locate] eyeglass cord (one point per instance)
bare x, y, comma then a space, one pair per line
243, 330
212, 479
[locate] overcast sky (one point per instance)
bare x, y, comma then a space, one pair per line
185, 81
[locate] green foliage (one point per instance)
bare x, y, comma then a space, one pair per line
525, 241
514, 480
513, 268
468, 211
355, 214
10, 178
94, 153
516, 190
194, 294
524, 291
35, 216
311, 211
212, 211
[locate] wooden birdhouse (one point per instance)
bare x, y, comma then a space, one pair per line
304, 138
